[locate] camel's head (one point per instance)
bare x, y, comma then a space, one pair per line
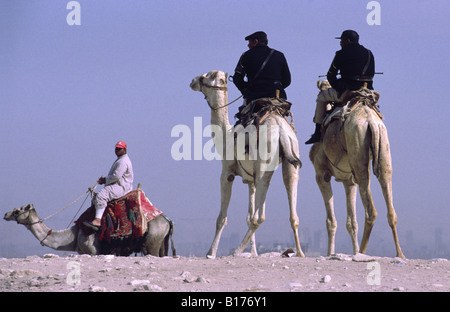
214, 80
20, 215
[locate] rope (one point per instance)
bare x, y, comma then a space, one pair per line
223, 88
217, 108
90, 190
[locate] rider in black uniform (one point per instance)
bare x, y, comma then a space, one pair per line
266, 70
356, 66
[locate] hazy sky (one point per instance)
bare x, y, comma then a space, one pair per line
68, 93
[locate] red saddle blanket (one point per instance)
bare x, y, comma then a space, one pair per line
123, 217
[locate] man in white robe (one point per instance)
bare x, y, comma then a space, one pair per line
118, 182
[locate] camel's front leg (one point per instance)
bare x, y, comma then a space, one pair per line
225, 190
352, 222
251, 211
290, 178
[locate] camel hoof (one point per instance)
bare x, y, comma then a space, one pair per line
401, 255
210, 257
243, 254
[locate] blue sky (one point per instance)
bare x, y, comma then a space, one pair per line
70, 92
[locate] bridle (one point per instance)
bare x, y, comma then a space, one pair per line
18, 213
221, 88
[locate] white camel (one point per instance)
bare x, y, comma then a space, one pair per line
156, 240
345, 153
255, 172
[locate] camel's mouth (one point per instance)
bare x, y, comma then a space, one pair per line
195, 84
9, 216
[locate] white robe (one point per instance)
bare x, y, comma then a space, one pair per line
119, 182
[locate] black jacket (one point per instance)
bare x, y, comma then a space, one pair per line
356, 65
275, 75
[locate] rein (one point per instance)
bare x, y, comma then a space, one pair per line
89, 191
216, 88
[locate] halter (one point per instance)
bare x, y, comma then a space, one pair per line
222, 88
18, 213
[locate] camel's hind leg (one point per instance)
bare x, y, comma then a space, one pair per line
352, 222
262, 182
323, 178
386, 186
251, 211
323, 181
358, 150
385, 179
290, 178
362, 176
225, 189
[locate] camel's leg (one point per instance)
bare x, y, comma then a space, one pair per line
87, 244
323, 181
290, 178
154, 250
352, 222
358, 146
262, 182
251, 211
154, 243
225, 191
385, 179
363, 179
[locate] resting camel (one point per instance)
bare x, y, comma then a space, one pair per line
156, 240
345, 153
254, 171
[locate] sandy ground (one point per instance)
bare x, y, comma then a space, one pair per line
268, 272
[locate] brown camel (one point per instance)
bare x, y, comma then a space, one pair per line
345, 152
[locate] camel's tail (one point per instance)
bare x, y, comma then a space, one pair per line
289, 146
169, 236
376, 144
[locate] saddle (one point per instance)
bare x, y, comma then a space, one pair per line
257, 111
352, 99
124, 218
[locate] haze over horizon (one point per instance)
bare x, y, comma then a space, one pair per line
70, 92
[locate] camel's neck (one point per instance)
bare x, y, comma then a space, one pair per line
219, 116
58, 240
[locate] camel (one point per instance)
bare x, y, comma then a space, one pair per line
156, 240
254, 171
345, 153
